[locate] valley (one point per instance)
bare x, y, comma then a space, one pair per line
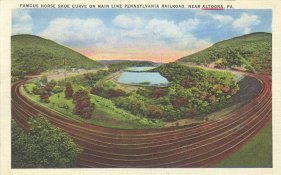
192, 112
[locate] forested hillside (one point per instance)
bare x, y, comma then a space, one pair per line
33, 55
251, 52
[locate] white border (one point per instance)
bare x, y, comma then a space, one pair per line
5, 100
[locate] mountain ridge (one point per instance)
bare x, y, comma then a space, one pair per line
250, 52
33, 54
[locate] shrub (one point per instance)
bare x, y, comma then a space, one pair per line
45, 98
63, 105
68, 90
57, 89
38, 91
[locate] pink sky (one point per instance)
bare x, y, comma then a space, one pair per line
134, 54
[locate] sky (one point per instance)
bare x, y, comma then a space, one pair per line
160, 35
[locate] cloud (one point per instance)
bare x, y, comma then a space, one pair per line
163, 29
134, 33
168, 34
75, 32
127, 36
245, 22
223, 18
189, 24
155, 29
125, 21
176, 36
160, 38
217, 17
21, 22
191, 44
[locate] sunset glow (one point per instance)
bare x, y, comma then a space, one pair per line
163, 57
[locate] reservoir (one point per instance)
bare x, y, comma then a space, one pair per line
143, 76
138, 75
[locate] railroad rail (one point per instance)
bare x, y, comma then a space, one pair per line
190, 146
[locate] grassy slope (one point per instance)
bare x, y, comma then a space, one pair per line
33, 54
105, 114
256, 47
258, 153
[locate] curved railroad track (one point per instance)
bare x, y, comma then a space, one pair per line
191, 146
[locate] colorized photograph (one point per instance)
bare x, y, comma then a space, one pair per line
141, 88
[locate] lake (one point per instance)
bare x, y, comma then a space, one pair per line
138, 75
145, 78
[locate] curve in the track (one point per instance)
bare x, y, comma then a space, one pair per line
189, 146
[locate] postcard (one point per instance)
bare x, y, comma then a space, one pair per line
151, 87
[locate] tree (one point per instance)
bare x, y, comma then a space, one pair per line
116, 93
45, 98
178, 102
224, 88
159, 92
188, 83
88, 76
42, 146
154, 111
97, 90
83, 105
50, 85
68, 90
212, 99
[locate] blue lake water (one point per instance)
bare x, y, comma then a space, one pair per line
135, 76
149, 78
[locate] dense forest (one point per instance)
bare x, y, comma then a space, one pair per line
42, 146
33, 55
184, 97
251, 52
191, 91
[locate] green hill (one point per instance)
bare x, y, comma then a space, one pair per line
250, 52
33, 55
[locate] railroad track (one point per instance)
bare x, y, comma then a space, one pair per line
191, 146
